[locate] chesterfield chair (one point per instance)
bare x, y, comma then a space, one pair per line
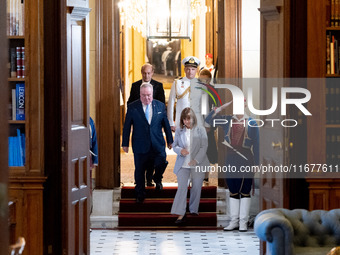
289, 232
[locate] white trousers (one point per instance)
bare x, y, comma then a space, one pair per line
180, 202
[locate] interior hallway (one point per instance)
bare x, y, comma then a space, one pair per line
128, 168
159, 242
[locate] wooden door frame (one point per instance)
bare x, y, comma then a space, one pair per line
229, 52
108, 77
108, 93
3, 130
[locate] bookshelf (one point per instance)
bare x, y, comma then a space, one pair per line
25, 84
323, 64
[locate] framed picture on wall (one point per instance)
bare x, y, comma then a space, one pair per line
166, 59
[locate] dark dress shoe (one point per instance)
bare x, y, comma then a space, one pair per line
159, 186
139, 200
150, 184
181, 221
194, 214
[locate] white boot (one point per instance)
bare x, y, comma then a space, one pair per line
244, 213
234, 208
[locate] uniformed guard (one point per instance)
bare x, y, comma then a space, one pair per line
186, 92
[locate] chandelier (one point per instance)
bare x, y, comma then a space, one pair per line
133, 14
197, 8
161, 19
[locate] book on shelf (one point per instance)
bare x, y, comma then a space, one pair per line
333, 146
332, 55
332, 100
16, 149
22, 62
20, 101
328, 146
19, 65
328, 58
333, 52
17, 62
13, 62
328, 13
337, 105
14, 105
15, 17
332, 13
336, 13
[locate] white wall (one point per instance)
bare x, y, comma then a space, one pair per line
251, 47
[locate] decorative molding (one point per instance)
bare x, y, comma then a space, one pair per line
78, 12
270, 12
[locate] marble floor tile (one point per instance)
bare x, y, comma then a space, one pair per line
124, 242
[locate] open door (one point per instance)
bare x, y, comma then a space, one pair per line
75, 132
274, 52
273, 65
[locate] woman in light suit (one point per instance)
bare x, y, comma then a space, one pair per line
191, 145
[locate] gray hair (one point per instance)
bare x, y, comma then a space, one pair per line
146, 85
147, 65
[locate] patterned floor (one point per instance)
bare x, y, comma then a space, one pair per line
114, 242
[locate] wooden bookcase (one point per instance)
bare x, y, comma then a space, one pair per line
26, 182
324, 189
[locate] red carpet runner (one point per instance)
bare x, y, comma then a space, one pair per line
155, 211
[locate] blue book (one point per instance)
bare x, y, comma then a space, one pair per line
20, 101
19, 148
23, 144
15, 151
10, 151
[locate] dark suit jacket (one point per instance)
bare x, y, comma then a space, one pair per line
158, 91
145, 135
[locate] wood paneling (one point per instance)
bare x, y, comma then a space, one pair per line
107, 94
229, 54
26, 183
316, 59
324, 194
229, 39
3, 129
27, 195
34, 43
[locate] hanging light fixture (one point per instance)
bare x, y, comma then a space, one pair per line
161, 19
133, 14
197, 8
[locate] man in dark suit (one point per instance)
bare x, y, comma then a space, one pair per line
147, 73
148, 117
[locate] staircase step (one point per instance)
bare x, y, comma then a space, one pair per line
171, 228
162, 205
166, 192
164, 219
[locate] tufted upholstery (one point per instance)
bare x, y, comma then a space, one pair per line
298, 231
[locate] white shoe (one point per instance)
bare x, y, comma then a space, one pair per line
244, 213
234, 208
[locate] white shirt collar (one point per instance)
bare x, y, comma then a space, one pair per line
245, 116
144, 105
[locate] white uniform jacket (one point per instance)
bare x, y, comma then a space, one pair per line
186, 93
